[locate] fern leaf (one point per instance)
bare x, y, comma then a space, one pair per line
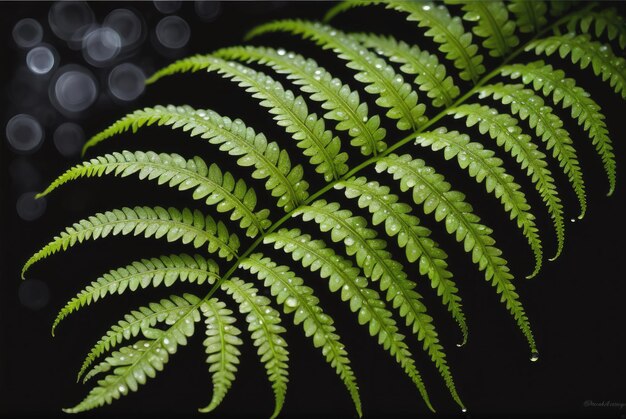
288, 289
164, 270
290, 111
583, 51
207, 182
549, 80
447, 31
341, 102
344, 6
431, 75
270, 161
411, 236
430, 189
343, 276
266, 330
133, 364
221, 347
379, 77
606, 20
530, 16
491, 23
504, 130
483, 166
377, 264
172, 224
548, 127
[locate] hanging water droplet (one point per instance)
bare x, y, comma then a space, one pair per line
573, 220
291, 302
281, 51
534, 356
464, 410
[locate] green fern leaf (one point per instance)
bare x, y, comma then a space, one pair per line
583, 51
221, 347
483, 166
491, 23
431, 75
284, 181
164, 270
207, 182
504, 129
186, 226
548, 80
344, 277
377, 264
430, 189
290, 111
607, 20
264, 326
379, 77
448, 32
530, 16
341, 102
133, 364
411, 236
297, 298
548, 127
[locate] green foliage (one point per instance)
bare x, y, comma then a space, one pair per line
402, 79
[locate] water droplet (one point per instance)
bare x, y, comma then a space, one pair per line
122, 389
24, 133
534, 356
28, 208
281, 51
128, 26
126, 82
173, 32
27, 33
40, 60
207, 10
573, 220
69, 139
167, 6
67, 18
426, 7
291, 302
464, 410
166, 341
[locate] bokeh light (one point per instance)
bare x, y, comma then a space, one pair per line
24, 133
68, 139
41, 59
101, 46
28, 208
126, 82
173, 32
128, 26
166, 6
208, 10
73, 89
67, 17
27, 33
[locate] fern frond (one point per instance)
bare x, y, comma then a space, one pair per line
208, 183
343, 276
431, 75
186, 225
288, 290
164, 270
530, 16
411, 236
583, 51
341, 102
266, 330
564, 90
221, 347
548, 127
290, 111
430, 189
270, 161
504, 130
492, 23
606, 20
377, 264
483, 166
376, 74
448, 32
133, 364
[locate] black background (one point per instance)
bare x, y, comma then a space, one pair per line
576, 304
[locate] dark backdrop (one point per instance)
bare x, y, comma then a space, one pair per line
576, 304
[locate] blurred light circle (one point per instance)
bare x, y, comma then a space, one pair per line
173, 32
126, 82
67, 17
207, 10
76, 40
28, 208
69, 139
24, 175
73, 89
24, 133
40, 60
167, 6
101, 46
34, 294
27, 33
127, 24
